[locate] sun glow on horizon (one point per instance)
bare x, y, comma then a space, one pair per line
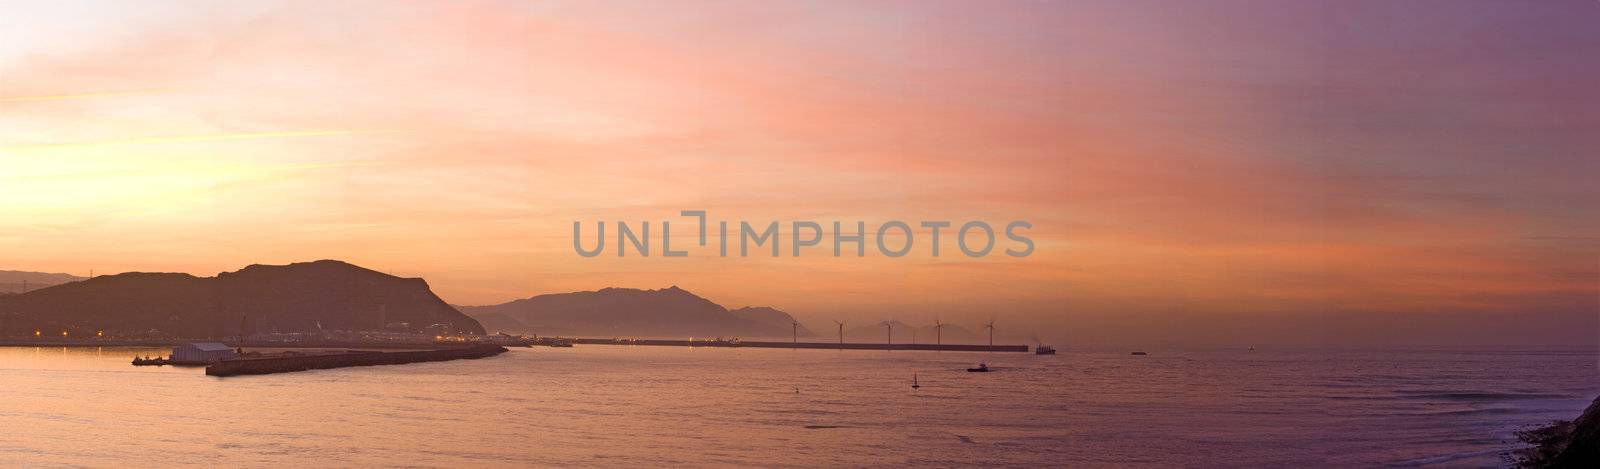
1174, 165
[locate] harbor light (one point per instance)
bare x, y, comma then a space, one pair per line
36, 333
99, 333
63, 333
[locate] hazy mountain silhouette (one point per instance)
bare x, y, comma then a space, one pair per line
628, 312
771, 317
12, 281
292, 298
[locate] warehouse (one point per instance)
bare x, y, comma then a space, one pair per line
201, 352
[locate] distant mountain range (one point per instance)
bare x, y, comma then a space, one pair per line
627, 312
332, 295
12, 281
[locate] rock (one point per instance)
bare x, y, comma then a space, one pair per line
1565, 444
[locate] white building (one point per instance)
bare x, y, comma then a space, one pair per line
202, 352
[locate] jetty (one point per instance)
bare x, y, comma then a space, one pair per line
292, 362
805, 345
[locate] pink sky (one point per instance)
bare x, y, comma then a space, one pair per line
1196, 172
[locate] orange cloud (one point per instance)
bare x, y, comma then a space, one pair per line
1174, 164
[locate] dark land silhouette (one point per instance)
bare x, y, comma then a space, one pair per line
12, 281
301, 297
1569, 443
627, 312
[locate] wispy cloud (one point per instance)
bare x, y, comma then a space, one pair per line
1292, 165
92, 95
154, 140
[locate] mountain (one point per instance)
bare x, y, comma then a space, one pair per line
771, 317
627, 312
495, 321
12, 281
259, 298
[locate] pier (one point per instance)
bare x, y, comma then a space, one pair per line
805, 345
286, 363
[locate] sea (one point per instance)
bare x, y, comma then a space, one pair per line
601, 405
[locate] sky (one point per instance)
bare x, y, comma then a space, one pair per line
1208, 172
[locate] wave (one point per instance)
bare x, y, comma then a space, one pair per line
1444, 458
1478, 395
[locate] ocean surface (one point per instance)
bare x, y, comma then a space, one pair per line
648, 406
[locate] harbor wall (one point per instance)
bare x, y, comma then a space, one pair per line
806, 345
287, 364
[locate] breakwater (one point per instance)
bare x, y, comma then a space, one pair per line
806, 345
348, 358
58, 342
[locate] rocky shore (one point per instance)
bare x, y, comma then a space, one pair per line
1565, 444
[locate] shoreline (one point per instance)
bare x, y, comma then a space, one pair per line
230, 343
1563, 443
578, 341
805, 345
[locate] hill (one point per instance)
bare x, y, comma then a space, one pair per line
627, 312
12, 281
260, 298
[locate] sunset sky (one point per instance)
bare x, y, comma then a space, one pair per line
1420, 172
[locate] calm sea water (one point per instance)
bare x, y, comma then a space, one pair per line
614, 406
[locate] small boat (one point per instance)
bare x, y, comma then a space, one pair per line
982, 368
1044, 350
147, 361
914, 383
1139, 353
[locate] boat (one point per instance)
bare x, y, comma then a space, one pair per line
1044, 350
1139, 353
982, 368
914, 383
146, 361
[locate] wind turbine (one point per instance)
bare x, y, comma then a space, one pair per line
795, 329
990, 325
841, 331
938, 332
890, 324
